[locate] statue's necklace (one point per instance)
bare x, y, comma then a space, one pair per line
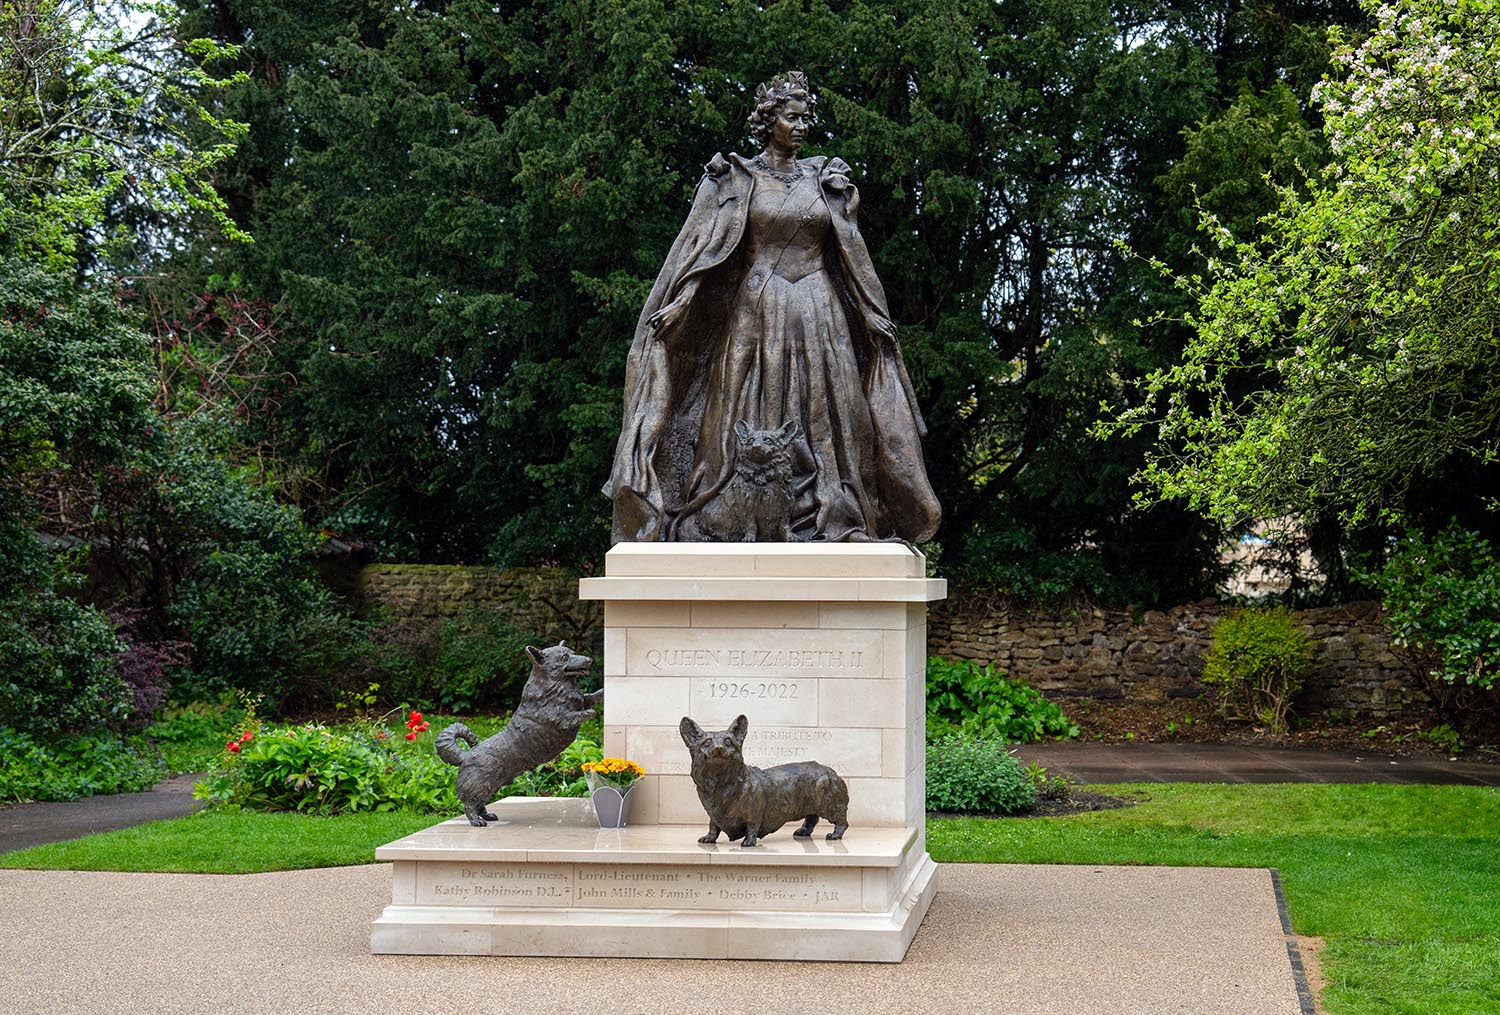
762, 165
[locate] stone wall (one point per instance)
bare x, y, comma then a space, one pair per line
1101, 652
540, 600
1106, 652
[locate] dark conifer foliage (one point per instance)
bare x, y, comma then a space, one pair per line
459, 208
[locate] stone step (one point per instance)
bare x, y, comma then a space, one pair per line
545, 880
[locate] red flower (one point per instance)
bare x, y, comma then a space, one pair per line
249, 736
412, 735
422, 728
415, 717
233, 747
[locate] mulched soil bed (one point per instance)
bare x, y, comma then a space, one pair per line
1194, 720
1077, 801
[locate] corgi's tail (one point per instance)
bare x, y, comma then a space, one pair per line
447, 743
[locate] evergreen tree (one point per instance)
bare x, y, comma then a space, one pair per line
459, 209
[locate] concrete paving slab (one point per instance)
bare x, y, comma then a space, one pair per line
1019, 939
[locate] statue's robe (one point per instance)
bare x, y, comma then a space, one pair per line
667, 370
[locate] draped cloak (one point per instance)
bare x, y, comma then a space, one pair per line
667, 372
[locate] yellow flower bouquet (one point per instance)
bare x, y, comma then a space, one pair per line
617, 772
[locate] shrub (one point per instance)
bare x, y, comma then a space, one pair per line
1442, 601
975, 776
251, 604
469, 663
196, 551
66, 768
1442, 605
324, 771
979, 701
1256, 662
191, 737
1011, 561
359, 767
57, 666
144, 664
480, 662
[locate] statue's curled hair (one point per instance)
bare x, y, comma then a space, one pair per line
771, 96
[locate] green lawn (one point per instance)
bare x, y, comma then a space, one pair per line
227, 843
1402, 882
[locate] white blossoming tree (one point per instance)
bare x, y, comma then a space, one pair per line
1350, 350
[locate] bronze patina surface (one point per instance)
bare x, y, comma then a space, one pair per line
542, 726
745, 802
768, 312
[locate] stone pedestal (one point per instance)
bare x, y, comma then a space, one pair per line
546, 880
823, 648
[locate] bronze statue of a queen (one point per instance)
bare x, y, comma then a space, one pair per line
768, 312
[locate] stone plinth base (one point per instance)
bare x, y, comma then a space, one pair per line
546, 880
823, 647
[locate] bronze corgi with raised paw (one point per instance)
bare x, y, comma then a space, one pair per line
543, 725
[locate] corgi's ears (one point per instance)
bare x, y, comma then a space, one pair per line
691, 731
535, 653
739, 728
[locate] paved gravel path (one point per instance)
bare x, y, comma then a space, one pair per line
1017, 939
35, 824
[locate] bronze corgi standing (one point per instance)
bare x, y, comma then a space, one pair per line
745, 801
542, 726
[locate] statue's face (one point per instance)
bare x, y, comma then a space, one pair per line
789, 129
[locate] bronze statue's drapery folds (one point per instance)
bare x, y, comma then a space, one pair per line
768, 312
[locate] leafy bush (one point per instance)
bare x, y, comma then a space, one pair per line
359, 767
191, 737
70, 767
57, 665
144, 664
979, 701
249, 601
1009, 560
473, 662
1154, 555
75, 392
209, 577
1442, 601
315, 769
976, 776
1256, 662
480, 661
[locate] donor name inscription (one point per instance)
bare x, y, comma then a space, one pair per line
502, 885
709, 889
631, 886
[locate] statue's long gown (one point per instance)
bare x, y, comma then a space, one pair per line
781, 288
786, 354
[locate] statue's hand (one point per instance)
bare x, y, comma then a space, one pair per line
665, 319
881, 327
